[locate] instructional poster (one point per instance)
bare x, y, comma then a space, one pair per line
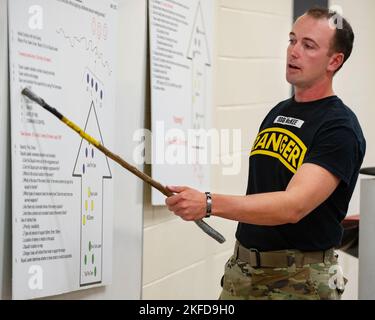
181, 42
62, 189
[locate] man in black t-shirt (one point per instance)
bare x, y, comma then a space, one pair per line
304, 165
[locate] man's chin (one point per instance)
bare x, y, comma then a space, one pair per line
292, 80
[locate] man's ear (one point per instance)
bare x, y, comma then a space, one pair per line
335, 62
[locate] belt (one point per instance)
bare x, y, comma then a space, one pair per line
279, 259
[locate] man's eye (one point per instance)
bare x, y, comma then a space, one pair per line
307, 46
292, 41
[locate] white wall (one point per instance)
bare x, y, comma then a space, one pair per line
252, 41
355, 85
366, 279
128, 197
180, 262
355, 82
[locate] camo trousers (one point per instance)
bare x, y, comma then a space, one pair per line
322, 281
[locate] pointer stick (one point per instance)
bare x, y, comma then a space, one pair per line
201, 224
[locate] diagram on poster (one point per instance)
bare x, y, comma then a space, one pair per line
199, 55
62, 186
181, 75
91, 167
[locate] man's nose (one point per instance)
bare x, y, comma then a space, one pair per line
295, 51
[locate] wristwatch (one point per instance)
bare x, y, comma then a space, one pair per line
208, 204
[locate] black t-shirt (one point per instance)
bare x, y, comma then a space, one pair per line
323, 132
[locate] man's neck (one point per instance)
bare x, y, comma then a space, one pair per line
316, 92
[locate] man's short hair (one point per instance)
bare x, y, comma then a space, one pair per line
344, 37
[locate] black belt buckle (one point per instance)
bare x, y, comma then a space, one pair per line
257, 255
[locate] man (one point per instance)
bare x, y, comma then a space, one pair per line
304, 165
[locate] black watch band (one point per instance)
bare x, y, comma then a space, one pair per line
208, 204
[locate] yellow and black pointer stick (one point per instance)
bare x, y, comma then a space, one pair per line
201, 224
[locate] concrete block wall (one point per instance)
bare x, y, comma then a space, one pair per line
179, 261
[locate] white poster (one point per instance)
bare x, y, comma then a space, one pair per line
181, 41
62, 187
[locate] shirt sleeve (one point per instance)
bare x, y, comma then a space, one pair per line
335, 148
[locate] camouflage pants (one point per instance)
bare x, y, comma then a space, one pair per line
310, 282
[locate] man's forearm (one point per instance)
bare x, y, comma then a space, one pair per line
268, 209
308, 189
